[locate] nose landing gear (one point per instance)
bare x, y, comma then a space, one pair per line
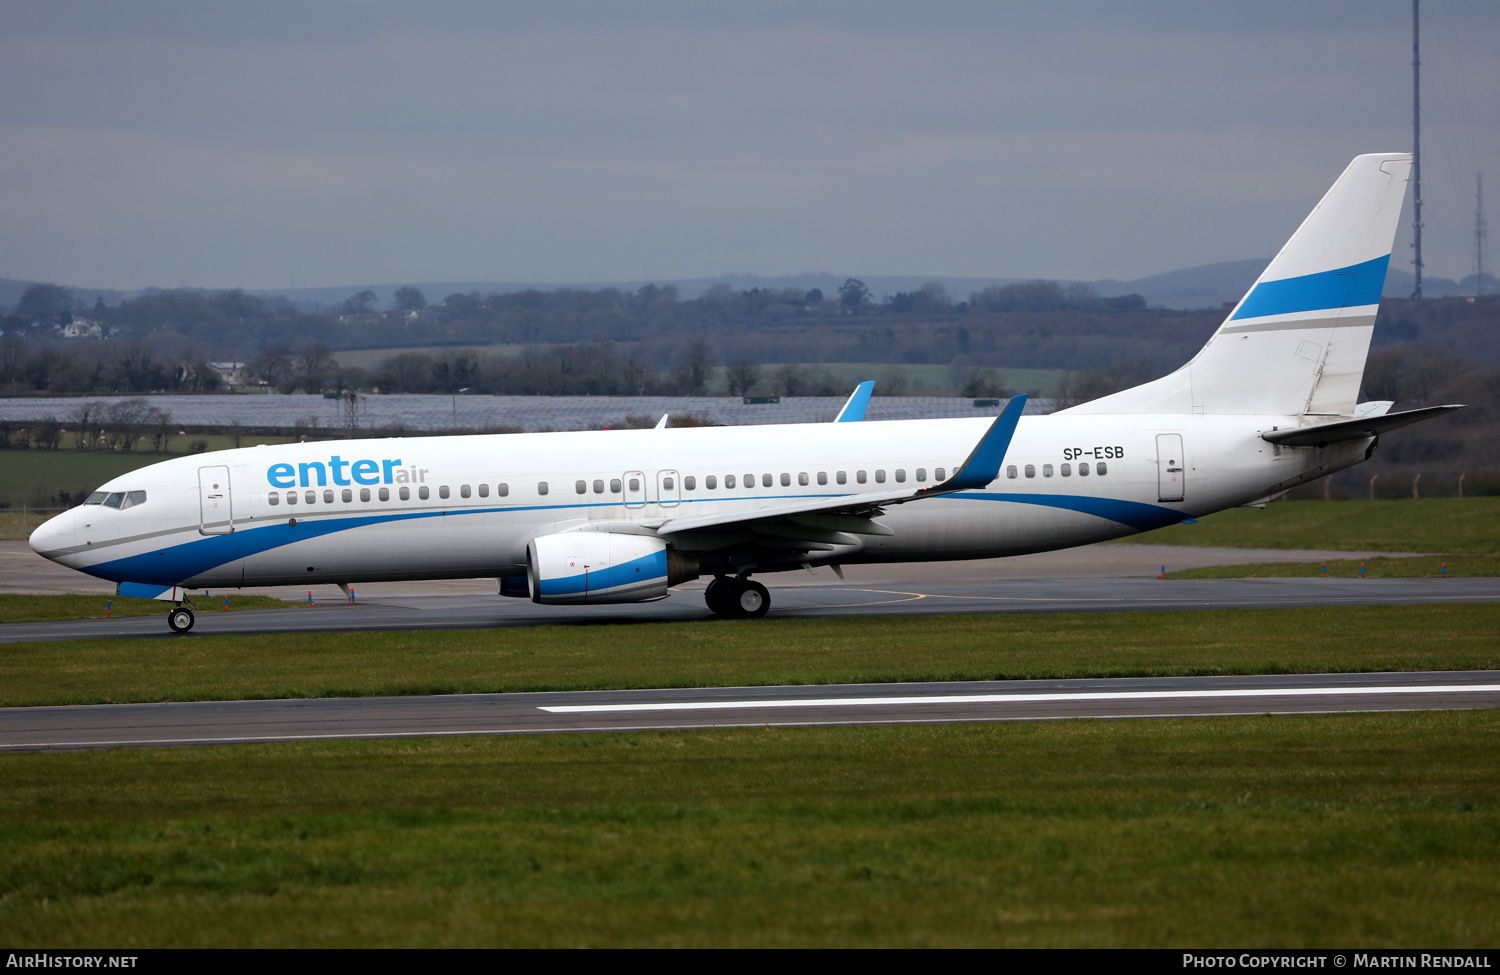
737, 598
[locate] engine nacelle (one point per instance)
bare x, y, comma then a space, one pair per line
603, 567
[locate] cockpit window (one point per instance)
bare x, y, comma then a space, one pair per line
97, 497
133, 498
115, 500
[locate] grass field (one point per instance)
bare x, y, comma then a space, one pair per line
33, 477
1371, 830
1462, 636
23, 608
1471, 566
1439, 525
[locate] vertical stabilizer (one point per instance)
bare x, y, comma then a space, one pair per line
1296, 343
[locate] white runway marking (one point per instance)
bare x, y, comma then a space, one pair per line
834, 702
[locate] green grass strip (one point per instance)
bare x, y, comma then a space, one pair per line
1460, 636
1447, 525
1471, 566
1377, 830
24, 608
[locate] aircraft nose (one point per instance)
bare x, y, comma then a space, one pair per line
54, 536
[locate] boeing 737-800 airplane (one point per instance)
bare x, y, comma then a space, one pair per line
622, 516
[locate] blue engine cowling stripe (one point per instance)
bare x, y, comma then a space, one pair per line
636, 571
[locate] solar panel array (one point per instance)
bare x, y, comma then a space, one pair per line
431, 413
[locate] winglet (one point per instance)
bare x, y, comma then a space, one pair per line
859, 401
983, 465
662, 423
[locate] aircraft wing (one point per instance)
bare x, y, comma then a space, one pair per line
1356, 429
981, 467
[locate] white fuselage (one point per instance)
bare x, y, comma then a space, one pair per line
209, 520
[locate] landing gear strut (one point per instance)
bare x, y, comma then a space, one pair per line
737, 598
180, 619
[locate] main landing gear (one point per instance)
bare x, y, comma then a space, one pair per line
180, 619
737, 598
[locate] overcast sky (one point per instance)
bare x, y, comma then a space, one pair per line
273, 144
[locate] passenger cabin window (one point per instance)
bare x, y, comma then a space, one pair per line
581, 486
900, 477
598, 486
1031, 470
502, 490
133, 498
1046, 470
348, 495
541, 487
404, 494
860, 476
937, 475
385, 494
484, 490
442, 491
1067, 470
786, 480
921, 474
635, 484
273, 498
291, 497
729, 480
423, 493
802, 479
710, 482
1103, 468
614, 485
364, 494
463, 491
667, 484
1010, 472
311, 497
842, 478
1083, 470
822, 477
690, 483
880, 477
328, 497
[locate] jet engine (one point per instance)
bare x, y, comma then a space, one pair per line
604, 567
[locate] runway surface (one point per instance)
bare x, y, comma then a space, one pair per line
244, 722
790, 602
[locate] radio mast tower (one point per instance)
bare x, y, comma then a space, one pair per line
1416, 150
1479, 234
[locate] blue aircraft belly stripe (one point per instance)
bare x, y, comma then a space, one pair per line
1345, 287
1134, 514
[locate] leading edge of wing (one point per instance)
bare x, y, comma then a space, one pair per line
981, 467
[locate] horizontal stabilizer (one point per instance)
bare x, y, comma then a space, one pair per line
1356, 429
859, 401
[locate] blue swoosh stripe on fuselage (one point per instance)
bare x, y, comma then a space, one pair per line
1133, 514
172, 565
1345, 287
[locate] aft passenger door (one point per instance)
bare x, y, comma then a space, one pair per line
215, 515
1171, 467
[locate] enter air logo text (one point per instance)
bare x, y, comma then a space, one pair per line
344, 472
